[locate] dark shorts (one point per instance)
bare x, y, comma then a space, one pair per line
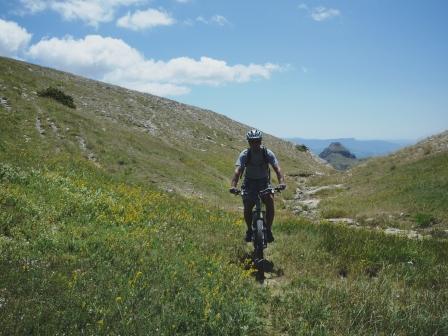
252, 187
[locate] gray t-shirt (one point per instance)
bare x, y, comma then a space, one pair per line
257, 168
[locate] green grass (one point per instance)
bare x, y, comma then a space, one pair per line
413, 193
83, 253
424, 220
95, 248
333, 213
346, 282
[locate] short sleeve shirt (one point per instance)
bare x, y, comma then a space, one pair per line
257, 168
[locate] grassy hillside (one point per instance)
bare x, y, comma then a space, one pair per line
89, 244
134, 135
407, 189
83, 253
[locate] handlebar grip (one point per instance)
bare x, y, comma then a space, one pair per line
235, 191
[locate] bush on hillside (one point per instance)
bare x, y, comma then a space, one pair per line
302, 148
58, 95
424, 220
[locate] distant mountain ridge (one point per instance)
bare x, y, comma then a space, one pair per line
361, 148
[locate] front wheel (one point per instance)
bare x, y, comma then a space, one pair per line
258, 252
258, 239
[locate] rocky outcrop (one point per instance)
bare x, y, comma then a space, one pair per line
338, 156
336, 148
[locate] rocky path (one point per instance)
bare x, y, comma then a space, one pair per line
5, 104
39, 128
83, 146
306, 201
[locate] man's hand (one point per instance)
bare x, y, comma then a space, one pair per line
282, 186
233, 190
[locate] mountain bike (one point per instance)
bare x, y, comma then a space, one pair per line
258, 225
259, 228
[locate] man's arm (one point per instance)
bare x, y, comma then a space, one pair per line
274, 163
280, 177
236, 176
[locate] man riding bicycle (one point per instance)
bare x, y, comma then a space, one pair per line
255, 162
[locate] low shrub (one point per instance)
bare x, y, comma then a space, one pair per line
58, 95
424, 220
302, 148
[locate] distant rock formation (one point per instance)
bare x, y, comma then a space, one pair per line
338, 156
336, 147
361, 148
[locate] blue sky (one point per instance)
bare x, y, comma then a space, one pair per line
371, 69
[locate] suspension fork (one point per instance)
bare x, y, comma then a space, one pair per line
259, 226
257, 213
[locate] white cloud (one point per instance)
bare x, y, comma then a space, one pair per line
13, 38
34, 6
112, 60
320, 13
188, 71
92, 56
188, 22
149, 18
201, 19
215, 19
183, 1
220, 20
92, 12
323, 13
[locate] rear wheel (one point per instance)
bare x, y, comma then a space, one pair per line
258, 253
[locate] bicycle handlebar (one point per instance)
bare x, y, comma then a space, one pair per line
278, 189
235, 191
271, 190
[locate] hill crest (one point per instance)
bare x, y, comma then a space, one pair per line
137, 136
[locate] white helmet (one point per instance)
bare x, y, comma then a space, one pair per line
254, 134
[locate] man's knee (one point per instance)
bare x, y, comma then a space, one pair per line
268, 200
248, 205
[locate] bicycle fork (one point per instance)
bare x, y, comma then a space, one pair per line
259, 232
261, 226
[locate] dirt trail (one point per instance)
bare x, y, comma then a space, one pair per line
4, 103
306, 201
83, 146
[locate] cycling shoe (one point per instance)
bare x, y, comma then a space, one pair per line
248, 237
269, 236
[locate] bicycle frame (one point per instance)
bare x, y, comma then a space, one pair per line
259, 225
